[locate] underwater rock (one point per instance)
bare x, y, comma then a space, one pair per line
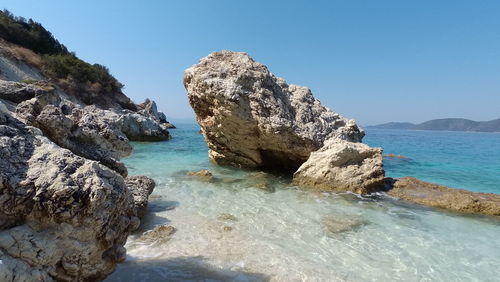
202, 175
424, 193
227, 217
159, 233
394, 156
251, 118
333, 225
261, 180
141, 187
343, 166
227, 228
61, 216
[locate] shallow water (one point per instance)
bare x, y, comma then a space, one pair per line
283, 235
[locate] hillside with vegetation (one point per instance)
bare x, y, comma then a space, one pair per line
30, 42
445, 124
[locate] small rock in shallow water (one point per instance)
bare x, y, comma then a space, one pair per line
158, 233
227, 217
228, 228
333, 225
202, 175
261, 180
394, 156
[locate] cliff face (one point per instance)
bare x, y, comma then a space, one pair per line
66, 203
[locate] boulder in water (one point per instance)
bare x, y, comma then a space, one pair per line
343, 166
141, 187
251, 118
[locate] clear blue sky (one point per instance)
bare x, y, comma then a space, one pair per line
374, 61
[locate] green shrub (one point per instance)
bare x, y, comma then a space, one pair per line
29, 34
57, 61
29, 81
63, 66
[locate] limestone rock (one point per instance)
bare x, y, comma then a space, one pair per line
141, 187
424, 193
251, 118
18, 91
89, 131
61, 216
149, 109
86, 131
343, 166
138, 127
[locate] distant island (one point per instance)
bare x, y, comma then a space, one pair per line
446, 124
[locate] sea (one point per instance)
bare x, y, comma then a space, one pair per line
232, 230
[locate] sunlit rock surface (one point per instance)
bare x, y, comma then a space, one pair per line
343, 166
62, 216
433, 195
251, 118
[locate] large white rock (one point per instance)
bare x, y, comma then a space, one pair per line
251, 118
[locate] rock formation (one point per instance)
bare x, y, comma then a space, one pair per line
18, 91
141, 187
61, 216
66, 208
251, 118
343, 166
424, 193
149, 109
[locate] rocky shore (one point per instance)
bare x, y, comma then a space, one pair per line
252, 119
67, 203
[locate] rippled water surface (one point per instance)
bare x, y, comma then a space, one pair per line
234, 230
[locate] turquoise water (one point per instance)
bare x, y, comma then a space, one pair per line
282, 236
467, 160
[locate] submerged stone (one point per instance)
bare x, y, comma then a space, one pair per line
159, 233
202, 175
334, 224
227, 217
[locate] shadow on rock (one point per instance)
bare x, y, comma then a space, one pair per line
178, 269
